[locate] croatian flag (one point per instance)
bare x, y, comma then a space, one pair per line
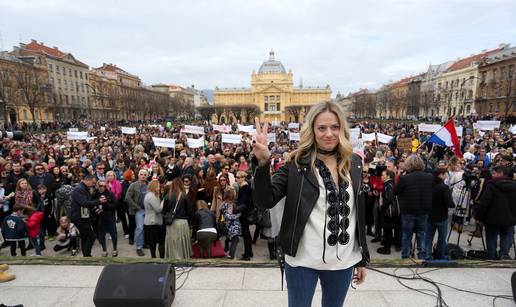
447, 136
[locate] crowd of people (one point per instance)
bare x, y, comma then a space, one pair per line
74, 192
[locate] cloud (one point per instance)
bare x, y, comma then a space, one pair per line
218, 43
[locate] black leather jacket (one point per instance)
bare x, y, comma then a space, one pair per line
301, 189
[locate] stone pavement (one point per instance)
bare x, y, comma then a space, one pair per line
55, 286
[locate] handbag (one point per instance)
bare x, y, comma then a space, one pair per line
393, 211
222, 230
169, 216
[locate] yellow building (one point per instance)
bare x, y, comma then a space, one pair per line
272, 96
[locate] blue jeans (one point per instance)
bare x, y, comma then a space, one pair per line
506, 234
442, 232
301, 284
138, 233
410, 224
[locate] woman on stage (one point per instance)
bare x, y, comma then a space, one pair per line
323, 231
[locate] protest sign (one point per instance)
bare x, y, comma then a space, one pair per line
75, 135
487, 125
128, 130
73, 129
271, 137
164, 142
222, 128
428, 127
195, 143
247, 129
231, 138
384, 138
294, 136
368, 137
293, 125
404, 143
193, 129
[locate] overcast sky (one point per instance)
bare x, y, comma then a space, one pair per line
348, 45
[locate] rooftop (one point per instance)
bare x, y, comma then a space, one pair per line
272, 66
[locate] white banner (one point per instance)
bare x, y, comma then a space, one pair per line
358, 144
275, 123
294, 136
247, 129
71, 135
195, 143
271, 137
293, 125
89, 139
73, 129
354, 133
102, 128
231, 138
164, 142
193, 129
384, 138
513, 129
488, 125
367, 137
459, 130
128, 130
428, 127
222, 128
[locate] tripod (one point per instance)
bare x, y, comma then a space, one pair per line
460, 211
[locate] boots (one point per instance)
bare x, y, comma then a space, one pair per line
272, 250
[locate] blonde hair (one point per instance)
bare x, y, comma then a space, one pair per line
153, 187
308, 147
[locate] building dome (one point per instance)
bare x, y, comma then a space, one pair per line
271, 66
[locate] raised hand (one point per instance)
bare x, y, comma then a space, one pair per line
260, 147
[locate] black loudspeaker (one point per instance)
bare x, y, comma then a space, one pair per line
135, 285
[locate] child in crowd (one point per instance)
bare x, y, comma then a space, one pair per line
45, 203
67, 234
233, 226
33, 224
15, 231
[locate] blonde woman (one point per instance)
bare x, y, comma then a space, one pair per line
323, 228
153, 221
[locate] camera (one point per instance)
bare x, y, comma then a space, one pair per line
376, 168
469, 178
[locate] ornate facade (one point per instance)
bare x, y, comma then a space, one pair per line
272, 96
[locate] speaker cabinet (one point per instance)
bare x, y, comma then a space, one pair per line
135, 285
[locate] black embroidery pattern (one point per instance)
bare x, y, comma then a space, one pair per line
338, 209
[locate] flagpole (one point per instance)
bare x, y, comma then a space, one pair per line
436, 132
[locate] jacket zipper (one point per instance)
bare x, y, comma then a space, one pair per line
358, 214
297, 211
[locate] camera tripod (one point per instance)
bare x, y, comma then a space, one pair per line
460, 212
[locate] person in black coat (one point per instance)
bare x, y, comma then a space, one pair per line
42, 177
389, 214
80, 212
498, 212
245, 207
414, 191
438, 218
105, 218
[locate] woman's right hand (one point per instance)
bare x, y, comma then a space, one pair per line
261, 146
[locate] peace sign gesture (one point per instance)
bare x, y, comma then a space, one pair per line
260, 148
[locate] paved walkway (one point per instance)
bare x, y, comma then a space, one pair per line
54, 286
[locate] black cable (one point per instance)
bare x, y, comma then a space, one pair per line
183, 271
438, 293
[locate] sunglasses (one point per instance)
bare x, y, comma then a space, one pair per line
102, 186
226, 168
39, 168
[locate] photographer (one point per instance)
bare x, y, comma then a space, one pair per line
498, 213
80, 213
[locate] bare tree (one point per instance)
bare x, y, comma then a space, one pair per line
32, 86
7, 89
